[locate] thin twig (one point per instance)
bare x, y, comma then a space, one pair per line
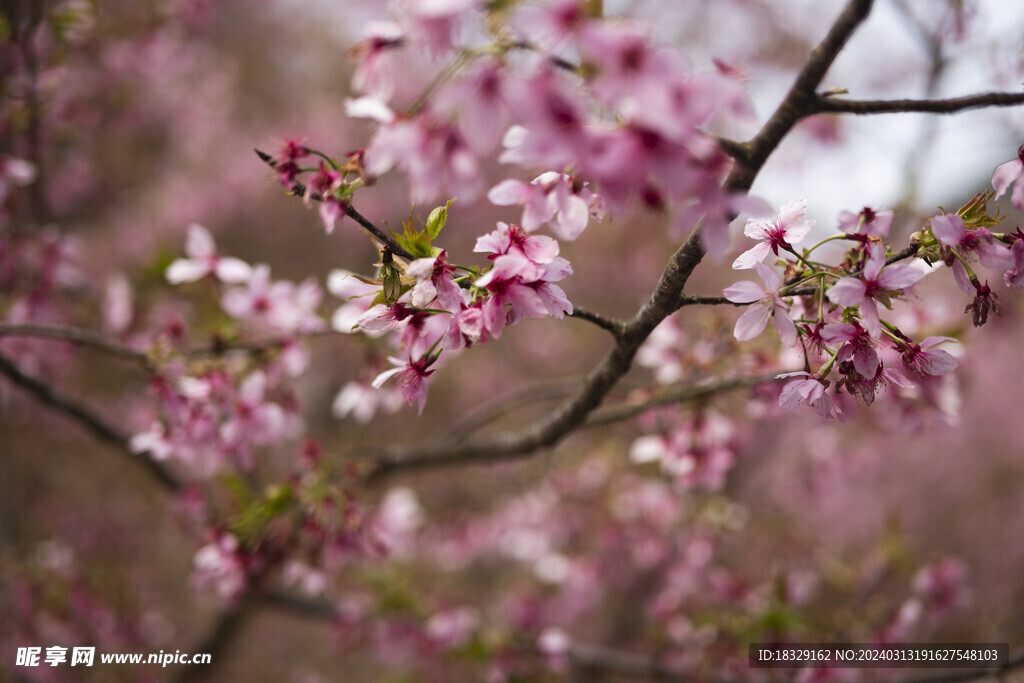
86, 417
833, 105
395, 248
683, 393
75, 335
613, 325
299, 190
488, 413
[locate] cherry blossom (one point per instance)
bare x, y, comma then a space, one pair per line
877, 282
921, 359
412, 378
1011, 172
217, 567
374, 76
950, 230
513, 240
867, 222
356, 294
548, 198
364, 402
433, 279
765, 303
810, 391
856, 345
788, 228
204, 260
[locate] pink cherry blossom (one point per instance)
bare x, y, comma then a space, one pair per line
374, 76
876, 281
509, 283
412, 378
384, 318
921, 359
466, 328
1011, 172
325, 182
218, 567
356, 294
203, 260
856, 345
364, 402
513, 240
1014, 277
809, 391
548, 198
255, 420
281, 305
765, 303
868, 222
661, 352
785, 230
950, 230
483, 102
430, 152
433, 279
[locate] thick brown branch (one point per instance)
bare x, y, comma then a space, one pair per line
802, 97
94, 423
299, 190
832, 105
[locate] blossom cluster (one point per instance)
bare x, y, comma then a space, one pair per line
835, 312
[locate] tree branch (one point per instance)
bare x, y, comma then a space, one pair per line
611, 324
93, 423
664, 300
832, 105
75, 335
691, 391
224, 632
299, 190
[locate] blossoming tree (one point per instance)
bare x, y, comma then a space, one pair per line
469, 519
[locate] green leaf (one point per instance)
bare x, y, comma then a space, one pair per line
437, 218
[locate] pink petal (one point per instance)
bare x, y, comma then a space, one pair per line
768, 276
936, 362
847, 292
865, 360
963, 281
186, 270
572, 218
792, 211
199, 243
995, 255
900, 276
869, 315
949, 229
784, 326
751, 256
796, 233
510, 192
752, 322
743, 292
1006, 174
233, 271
